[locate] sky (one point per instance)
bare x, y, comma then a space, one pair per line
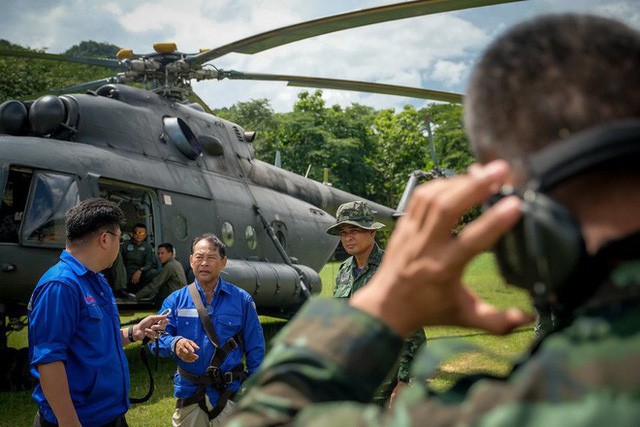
433, 51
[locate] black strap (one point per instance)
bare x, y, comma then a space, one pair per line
222, 402
145, 362
215, 378
204, 316
200, 399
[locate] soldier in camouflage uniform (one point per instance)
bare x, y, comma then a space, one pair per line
545, 79
356, 226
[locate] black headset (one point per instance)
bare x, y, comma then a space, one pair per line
545, 251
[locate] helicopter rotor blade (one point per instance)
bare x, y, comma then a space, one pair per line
194, 96
352, 85
103, 62
316, 27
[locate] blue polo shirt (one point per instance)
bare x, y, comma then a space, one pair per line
232, 310
73, 318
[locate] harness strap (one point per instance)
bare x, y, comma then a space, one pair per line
216, 378
204, 316
200, 399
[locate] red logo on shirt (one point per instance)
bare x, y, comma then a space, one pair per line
89, 299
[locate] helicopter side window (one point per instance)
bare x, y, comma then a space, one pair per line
14, 200
52, 196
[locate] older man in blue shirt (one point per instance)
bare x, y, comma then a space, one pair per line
212, 325
75, 340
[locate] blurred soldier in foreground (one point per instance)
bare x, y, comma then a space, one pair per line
553, 108
356, 226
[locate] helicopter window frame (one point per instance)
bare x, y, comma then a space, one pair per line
116, 191
11, 216
43, 224
251, 237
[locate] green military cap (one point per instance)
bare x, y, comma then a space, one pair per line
355, 213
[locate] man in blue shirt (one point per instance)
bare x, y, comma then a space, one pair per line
75, 340
205, 383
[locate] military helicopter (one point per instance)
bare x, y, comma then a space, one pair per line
175, 167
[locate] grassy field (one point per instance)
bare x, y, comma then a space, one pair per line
490, 354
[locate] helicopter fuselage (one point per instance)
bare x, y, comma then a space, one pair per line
177, 169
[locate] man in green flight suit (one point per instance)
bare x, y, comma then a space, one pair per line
139, 259
171, 277
356, 226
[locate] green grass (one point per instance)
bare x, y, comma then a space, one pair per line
495, 354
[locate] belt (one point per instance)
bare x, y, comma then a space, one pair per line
121, 421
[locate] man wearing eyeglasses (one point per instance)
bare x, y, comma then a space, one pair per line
356, 226
139, 259
75, 339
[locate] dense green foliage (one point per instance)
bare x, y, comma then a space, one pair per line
367, 152
22, 78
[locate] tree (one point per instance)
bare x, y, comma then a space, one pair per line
450, 139
94, 49
313, 137
22, 78
402, 148
255, 115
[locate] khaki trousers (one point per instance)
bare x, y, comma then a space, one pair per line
194, 416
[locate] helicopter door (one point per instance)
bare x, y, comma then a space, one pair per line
137, 203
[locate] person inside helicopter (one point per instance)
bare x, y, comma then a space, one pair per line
139, 258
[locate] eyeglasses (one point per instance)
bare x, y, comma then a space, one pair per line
140, 233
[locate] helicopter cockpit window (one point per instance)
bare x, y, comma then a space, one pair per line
52, 195
14, 201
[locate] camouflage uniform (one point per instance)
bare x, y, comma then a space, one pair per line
584, 374
347, 282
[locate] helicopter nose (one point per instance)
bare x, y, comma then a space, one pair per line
46, 114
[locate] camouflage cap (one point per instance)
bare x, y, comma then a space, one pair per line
355, 213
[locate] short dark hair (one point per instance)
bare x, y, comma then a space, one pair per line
139, 225
167, 246
91, 216
213, 240
548, 78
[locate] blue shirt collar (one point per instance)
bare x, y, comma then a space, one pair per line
73, 263
221, 286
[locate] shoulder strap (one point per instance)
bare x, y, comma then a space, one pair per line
202, 313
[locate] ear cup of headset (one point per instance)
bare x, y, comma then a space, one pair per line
544, 249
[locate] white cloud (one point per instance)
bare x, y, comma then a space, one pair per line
432, 51
449, 72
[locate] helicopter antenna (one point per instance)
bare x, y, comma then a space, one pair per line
278, 162
434, 156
